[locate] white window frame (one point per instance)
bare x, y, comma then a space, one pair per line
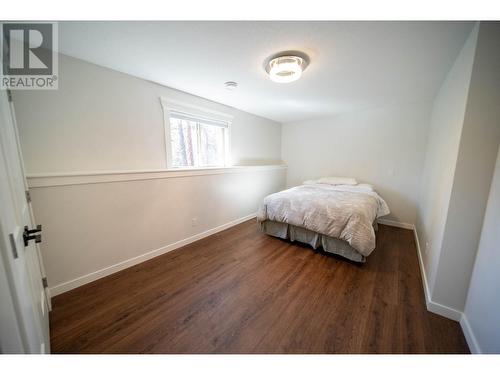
171, 106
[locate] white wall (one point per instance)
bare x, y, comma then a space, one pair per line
382, 146
91, 226
482, 309
473, 173
442, 150
463, 144
100, 119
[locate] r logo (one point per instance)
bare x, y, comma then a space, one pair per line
29, 49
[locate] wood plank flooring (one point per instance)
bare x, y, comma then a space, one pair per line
240, 291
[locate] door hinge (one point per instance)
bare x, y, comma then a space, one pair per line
9, 95
28, 196
45, 283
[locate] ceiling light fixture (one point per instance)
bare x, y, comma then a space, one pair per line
286, 68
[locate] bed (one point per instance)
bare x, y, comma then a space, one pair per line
340, 218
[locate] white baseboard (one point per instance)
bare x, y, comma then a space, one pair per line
446, 311
394, 223
425, 285
469, 335
443, 310
85, 279
432, 306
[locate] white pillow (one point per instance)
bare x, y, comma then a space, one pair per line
337, 181
310, 182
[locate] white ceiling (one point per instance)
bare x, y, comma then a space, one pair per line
353, 64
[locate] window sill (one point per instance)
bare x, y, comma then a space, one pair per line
94, 177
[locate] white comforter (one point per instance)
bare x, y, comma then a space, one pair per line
344, 212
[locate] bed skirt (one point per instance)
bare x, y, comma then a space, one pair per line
315, 240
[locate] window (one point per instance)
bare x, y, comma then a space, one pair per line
196, 137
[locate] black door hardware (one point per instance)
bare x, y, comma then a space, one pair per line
30, 234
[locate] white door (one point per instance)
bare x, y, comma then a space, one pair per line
21, 262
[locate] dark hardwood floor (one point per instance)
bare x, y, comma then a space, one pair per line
240, 291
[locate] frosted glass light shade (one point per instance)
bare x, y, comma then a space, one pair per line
285, 69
